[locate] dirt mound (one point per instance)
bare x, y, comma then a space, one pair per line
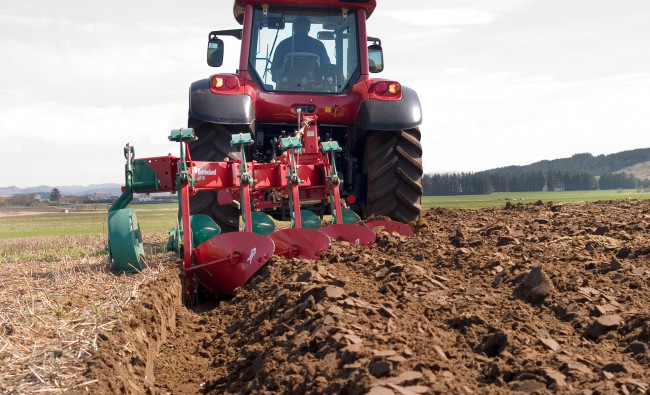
535, 298
125, 359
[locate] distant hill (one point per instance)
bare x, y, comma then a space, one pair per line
640, 170
624, 161
66, 190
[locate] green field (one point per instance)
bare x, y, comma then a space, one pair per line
162, 217
500, 198
29, 223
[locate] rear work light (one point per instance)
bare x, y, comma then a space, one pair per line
221, 83
386, 88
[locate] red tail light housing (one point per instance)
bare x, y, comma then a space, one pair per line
222, 83
386, 90
380, 88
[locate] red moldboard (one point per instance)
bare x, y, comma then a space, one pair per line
240, 255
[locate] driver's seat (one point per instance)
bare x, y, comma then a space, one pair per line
298, 66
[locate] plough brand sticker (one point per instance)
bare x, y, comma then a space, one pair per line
203, 173
207, 172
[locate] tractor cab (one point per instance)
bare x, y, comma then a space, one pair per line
289, 46
304, 50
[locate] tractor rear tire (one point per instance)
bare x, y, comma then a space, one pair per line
213, 144
394, 167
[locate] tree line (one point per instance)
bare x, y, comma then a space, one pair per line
530, 181
584, 162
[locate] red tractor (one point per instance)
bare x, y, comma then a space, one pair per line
265, 142
311, 58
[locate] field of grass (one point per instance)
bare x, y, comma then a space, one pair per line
160, 218
500, 198
89, 220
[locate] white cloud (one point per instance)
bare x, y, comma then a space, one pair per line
441, 17
475, 122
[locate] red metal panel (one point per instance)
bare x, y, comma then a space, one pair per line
310, 175
246, 206
363, 45
368, 6
330, 109
310, 136
214, 175
246, 38
295, 200
270, 175
166, 168
318, 192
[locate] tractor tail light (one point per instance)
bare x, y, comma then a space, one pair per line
381, 88
232, 82
386, 88
216, 82
223, 83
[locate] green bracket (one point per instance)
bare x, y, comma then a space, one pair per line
290, 142
331, 146
138, 177
180, 135
144, 178
241, 139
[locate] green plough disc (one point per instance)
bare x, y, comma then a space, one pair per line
309, 220
349, 216
203, 229
172, 241
125, 241
262, 223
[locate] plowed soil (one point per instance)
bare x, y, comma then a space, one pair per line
539, 298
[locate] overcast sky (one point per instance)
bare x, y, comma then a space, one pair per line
502, 82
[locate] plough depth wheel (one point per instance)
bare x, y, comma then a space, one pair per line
125, 241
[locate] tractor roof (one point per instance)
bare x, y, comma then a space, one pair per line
368, 5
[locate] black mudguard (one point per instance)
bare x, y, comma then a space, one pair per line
390, 115
226, 109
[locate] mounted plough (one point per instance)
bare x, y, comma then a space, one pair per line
222, 262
